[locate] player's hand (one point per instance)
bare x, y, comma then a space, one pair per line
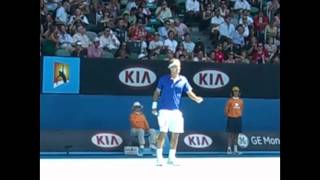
155, 112
199, 100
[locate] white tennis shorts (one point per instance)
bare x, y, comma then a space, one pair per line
171, 120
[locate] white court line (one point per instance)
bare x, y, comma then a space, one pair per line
267, 168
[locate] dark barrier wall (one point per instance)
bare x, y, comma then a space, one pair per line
214, 80
77, 112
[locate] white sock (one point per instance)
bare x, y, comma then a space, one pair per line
172, 154
159, 154
141, 146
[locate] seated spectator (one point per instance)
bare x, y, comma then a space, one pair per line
246, 16
271, 31
207, 14
163, 30
199, 46
79, 51
242, 5
226, 29
227, 46
155, 45
215, 22
238, 38
140, 127
94, 50
275, 58
163, 12
234, 18
114, 7
48, 22
78, 16
53, 35
126, 19
211, 57
137, 32
121, 30
218, 54
260, 22
231, 58
182, 57
260, 55
181, 28
224, 10
95, 14
170, 43
272, 7
200, 57
192, 10
132, 18
143, 13
242, 58
271, 47
61, 13
82, 37
131, 4
106, 20
180, 51
109, 41
169, 54
65, 39
123, 51
188, 44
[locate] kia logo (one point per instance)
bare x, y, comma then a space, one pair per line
106, 140
211, 79
137, 77
197, 140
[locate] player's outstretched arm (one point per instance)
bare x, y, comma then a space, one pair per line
194, 97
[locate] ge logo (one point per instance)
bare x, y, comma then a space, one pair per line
243, 140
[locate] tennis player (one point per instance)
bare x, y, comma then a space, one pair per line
170, 118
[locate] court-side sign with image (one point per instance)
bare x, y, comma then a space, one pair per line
61, 75
217, 141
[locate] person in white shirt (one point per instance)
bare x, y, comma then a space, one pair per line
226, 29
78, 16
246, 15
131, 4
192, 5
216, 21
170, 43
155, 45
188, 44
163, 30
242, 5
61, 14
65, 39
109, 41
192, 9
163, 12
82, 37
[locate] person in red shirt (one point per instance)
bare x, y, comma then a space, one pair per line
233, 112
137, 32
260, 22
218, 54
140, 127
260, 55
